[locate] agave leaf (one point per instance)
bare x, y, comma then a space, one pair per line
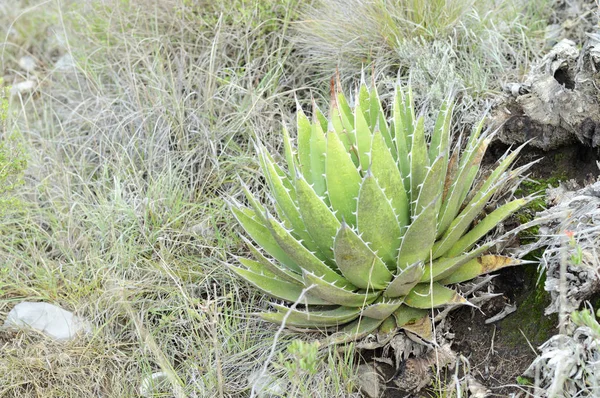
432, 185
498, 172
382, 308
451, 172
338, 127
364, 103
479, 266
318, 146
343, 180
289, 153
388, 325
418, 160
277, 288
318, 117
363, 139
440, 138
303, 257
261, 235
444, 266
426, 296
485, 226
404, 281
338, 295
377, 221
355, 330
458, 227
406, 315
401, 138
388, 176
419, 238
357, 261
282, 272
304, 133
311, 317
451, 206
321, 223
374, 108
422, 327
286, 204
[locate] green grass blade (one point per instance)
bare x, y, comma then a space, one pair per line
357, 262
343, 180
377, 221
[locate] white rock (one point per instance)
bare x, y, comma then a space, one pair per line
27, 63
152, 383
65, 63
23, 87
47, 318
266, 385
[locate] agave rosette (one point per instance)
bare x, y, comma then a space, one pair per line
374, 218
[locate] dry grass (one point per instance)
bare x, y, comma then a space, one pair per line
132, 145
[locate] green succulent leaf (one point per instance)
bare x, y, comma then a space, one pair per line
419, 161
480, 266
277, 288
382, 308
427, 296
405, 315
486, 225
334, 294
357, 262
444, 266
363, 139
377, 221
419, 238
355, 330
404, 281
312, 318
318, 146
388, 176
281, 272
321, 223
305, 259
262, 235
343, 180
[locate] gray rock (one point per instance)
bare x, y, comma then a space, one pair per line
47, 318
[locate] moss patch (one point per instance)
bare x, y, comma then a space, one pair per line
529, 319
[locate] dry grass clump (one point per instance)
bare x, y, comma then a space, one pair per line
132, 143
457, 44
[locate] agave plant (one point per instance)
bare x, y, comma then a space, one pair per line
375, 218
